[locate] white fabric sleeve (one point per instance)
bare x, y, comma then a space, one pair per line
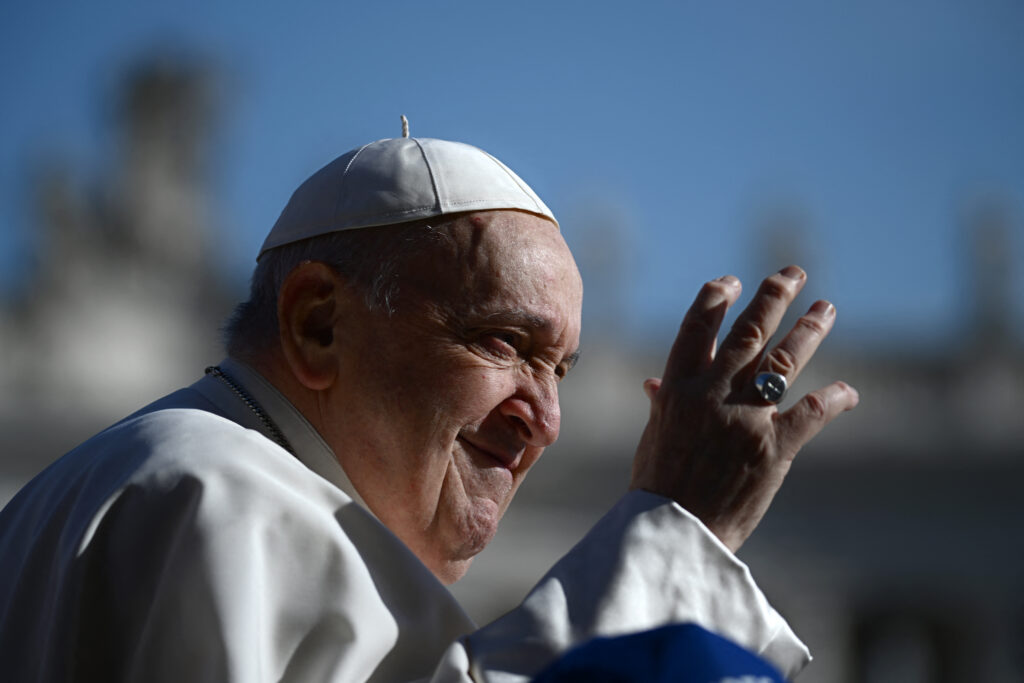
648, 562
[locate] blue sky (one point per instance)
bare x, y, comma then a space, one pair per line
882, 121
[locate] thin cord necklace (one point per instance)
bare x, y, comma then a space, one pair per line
252, 405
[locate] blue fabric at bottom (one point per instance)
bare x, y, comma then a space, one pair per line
679, 653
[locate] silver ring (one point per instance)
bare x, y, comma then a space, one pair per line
771, 386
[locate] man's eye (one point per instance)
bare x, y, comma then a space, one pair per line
503, 343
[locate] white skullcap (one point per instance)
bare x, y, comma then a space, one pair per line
399, 180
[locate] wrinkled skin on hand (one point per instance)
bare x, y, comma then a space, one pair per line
711, 442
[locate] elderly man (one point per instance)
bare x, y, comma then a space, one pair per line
295, 514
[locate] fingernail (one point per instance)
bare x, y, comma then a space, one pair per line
730, 280
824, 309
793, 273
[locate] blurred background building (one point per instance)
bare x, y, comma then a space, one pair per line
894, 547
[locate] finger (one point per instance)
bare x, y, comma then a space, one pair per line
809, 415
792, 354
758, 322
694, 346
651, 387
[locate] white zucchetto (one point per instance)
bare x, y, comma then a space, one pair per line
399, 180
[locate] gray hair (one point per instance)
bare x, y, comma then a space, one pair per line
370, 259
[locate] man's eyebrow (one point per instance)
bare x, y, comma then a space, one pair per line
571, 360
520, 317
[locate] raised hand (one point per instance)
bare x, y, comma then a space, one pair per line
712, 443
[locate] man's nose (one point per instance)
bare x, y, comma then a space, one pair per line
535, 413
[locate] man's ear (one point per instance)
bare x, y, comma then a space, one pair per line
308, 307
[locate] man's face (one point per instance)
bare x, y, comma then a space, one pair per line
443, 407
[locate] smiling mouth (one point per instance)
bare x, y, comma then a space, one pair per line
506, 460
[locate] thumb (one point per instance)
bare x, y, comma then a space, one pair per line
651, 387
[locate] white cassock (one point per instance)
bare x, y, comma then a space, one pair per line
182, 544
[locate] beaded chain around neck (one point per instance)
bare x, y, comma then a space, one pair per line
272, 430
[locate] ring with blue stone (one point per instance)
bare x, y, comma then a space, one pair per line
771, 386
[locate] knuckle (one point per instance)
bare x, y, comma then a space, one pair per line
812, 325
783, 361
777, 286
749, 333
817, 406
697, 325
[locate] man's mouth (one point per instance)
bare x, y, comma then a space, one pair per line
507, 458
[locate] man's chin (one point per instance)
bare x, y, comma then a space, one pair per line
452, 571
468, 534
476, 529
450, 561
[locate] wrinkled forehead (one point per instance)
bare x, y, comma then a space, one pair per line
506, 255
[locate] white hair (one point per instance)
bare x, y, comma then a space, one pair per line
370, 259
